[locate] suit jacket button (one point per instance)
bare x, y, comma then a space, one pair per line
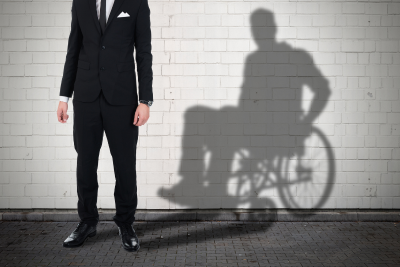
103, 47
102, 68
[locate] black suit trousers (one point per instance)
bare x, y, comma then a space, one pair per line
90, 121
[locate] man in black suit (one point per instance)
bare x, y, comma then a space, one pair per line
100, 70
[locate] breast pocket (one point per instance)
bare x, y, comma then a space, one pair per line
124, 27
124, 18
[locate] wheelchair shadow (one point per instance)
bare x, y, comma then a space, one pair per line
265, 152
149, 233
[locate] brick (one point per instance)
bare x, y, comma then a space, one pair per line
225, 78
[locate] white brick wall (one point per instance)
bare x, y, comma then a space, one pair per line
224, 125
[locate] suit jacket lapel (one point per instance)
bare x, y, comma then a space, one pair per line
113, 13
93, 11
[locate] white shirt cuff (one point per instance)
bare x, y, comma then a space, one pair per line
64, 98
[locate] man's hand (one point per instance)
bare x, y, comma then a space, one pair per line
62, 112
142, 114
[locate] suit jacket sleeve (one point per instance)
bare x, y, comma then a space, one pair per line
144, 57
71, 61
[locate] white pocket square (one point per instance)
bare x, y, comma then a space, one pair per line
123, 14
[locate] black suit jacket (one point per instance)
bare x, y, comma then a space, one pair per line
97, 61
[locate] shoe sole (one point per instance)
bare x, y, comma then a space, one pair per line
131, 250
78, 245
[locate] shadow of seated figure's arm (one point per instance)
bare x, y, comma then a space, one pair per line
319, 85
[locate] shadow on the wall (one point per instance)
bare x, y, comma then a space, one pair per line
264, 153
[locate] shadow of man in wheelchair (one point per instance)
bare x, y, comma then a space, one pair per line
235, 156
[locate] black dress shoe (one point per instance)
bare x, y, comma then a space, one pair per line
130, 241
79, 235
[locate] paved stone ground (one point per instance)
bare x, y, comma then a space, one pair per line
206, 244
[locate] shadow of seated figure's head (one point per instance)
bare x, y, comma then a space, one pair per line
263, 26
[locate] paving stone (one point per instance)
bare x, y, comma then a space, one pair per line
228, 243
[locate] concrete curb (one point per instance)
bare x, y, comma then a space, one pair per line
216, 215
